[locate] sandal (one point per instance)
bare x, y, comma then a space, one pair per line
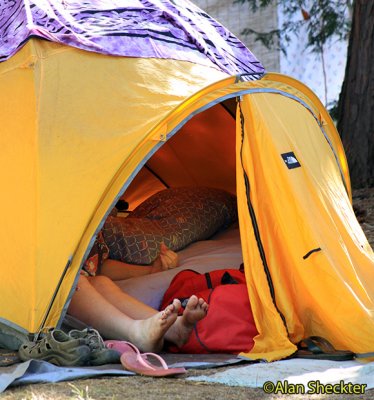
318, 348
8, 357
100, 354
134, 361
57, 348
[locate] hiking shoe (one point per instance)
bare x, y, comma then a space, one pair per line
57, 348
8, 357
100, 354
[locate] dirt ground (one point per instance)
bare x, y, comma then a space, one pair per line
141, 388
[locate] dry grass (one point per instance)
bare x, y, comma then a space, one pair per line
142, 388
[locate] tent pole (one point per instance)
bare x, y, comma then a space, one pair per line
156, 176
54, 295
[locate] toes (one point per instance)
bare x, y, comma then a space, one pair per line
164, 314
177, 305
192, 303
203, 305
171, 309
167, 311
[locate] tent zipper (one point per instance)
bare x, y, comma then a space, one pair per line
255, 226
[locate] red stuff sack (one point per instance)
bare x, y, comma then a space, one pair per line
229, 326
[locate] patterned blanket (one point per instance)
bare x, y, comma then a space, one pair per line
176, 217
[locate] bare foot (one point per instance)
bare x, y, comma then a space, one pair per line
180, 331
148, 334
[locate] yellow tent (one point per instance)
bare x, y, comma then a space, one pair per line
77, 127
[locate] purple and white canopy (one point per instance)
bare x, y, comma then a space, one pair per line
175, 29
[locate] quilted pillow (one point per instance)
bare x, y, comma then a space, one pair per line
177, 217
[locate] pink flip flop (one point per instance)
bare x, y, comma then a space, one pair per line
119, 345
134, 361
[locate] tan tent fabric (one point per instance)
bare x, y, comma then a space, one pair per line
79, 128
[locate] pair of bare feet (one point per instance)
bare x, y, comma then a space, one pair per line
150, 333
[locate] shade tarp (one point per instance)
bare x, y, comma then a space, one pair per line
133, 28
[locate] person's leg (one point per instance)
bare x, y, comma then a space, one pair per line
99, 302
146, 331
178, 333
127, 304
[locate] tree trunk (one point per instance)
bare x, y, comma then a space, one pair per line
356, 103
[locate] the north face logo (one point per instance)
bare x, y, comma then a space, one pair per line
290, 160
